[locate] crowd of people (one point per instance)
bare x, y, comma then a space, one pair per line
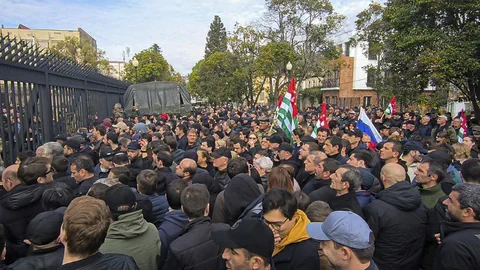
225, 188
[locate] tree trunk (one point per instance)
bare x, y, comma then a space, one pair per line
474, 90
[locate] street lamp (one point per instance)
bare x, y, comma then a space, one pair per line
135, 65
289, 69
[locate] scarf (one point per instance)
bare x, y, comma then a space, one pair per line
297, 234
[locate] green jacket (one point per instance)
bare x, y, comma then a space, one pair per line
452, 135
132, 235
430, 196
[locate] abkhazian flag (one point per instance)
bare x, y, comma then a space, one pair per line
391, 107
322, 120
287, 111
462, 132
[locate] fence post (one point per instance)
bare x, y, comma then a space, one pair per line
84, 104
46, 113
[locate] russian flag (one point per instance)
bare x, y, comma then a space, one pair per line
365, 125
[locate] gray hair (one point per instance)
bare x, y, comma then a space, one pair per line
469, 197
52, 149
118, 105
264, 163
427, 117
352, 176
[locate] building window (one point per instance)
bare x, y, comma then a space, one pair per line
367, 101
371, 78
327, 100
347, 49
334, 100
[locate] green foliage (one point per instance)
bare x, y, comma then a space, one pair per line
423, 41
216, 37
215, 78
152, 66
83, 53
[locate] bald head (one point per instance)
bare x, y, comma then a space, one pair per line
188, 167
10, 177
392, 173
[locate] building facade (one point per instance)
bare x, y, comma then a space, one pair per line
350, 86
47, 38
117, 69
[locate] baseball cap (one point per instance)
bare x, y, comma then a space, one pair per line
251, 234
343, 227
120, 199
73, 143
285, 147
414, 146
222, 152
44, 228
264, 119
133, 146
275, 139
106, 153
62, 137
107, 123
121, 125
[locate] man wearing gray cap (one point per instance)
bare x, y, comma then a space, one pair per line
442, 126
346, 241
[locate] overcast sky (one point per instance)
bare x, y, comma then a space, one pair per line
179, 27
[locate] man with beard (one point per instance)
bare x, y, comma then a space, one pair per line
253, 252
460, 246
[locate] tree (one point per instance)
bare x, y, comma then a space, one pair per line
152, 66
83, 53
216, 78
216, 37
306, 25
436, 41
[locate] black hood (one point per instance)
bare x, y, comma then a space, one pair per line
22, 196
205, 178
239, 193
402, 196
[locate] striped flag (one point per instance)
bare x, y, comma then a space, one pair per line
287, 111
462, 132
391, 106
322, 120
365, 125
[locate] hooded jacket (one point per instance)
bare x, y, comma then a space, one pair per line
132, 235
171, 228
398, 220
195, 249
241, 191
364, 197
213, 187
460, 246
17, 208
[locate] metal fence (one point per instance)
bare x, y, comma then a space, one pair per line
42, 95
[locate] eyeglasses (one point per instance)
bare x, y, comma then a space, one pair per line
49, 171
275, 225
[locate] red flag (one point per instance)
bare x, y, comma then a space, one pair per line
323, 116
279, 103
464, 123
293, 91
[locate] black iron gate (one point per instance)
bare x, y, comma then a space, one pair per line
42, 95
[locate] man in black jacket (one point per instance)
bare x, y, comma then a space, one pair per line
460, 244
85, 225
221, 156
20, 205
42, 232
323, 175
345, 181
82, 172
333, 147
285, 154
195, 249
398, 220
163, 161
61, 175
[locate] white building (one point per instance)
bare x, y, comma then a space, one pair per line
117, 69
